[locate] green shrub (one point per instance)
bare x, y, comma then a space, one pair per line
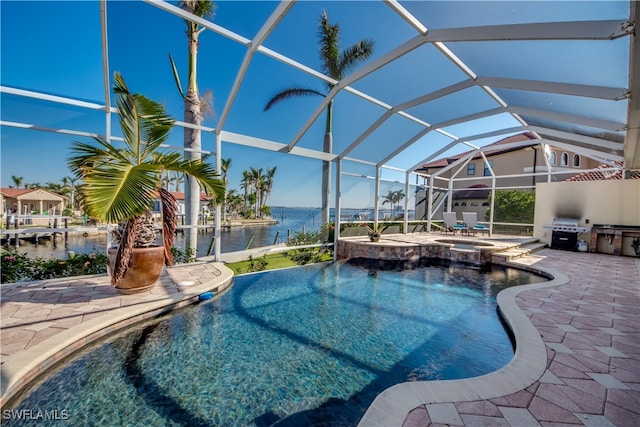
259, 264
17, 267
20, 268
183, 257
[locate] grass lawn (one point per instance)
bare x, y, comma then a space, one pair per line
290, 258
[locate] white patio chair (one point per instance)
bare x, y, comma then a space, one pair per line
470, 220
451, 223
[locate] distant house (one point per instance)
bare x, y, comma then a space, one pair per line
509, 164
204, 203
30, 206
29, 201
603, 173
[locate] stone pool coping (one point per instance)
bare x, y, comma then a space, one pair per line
390, 408
110, 312
412, 248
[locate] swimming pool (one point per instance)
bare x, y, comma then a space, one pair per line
305, 345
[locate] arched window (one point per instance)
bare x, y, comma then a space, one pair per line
552, 158
456, 204
576, 161
564, 159
485, 203
464, 203
474, 204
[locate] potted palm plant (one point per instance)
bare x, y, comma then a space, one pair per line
375, 230
121, 184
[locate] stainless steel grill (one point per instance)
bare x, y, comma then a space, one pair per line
564, 233
566, 224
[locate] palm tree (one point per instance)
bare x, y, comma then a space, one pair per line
268, 183
120, 185
195, 106
257, 184
389, 198
398, 196
393, 198
336, 65
17, 180
245, 184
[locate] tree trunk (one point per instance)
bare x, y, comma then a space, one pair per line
191, 185
326, 169
192, 114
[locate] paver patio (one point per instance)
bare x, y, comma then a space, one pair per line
590, 329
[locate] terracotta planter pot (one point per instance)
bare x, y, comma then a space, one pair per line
144, 270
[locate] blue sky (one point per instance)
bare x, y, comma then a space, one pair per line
56, 50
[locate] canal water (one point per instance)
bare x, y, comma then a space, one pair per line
290, 221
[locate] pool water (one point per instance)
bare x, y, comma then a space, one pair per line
311, 345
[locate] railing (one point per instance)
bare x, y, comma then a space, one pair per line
357, 228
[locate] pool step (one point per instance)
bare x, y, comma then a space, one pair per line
515, 253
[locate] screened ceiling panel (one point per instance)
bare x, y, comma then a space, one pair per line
384, 138
266, 77
581, 106
587, 62
51, 115
441, 73
423, 70
482, 125
452, 14
49, 60
352, 116
458, 104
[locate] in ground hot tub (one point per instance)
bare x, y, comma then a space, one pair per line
475, 252
463, 244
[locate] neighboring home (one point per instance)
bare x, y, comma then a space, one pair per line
473, 182
603, 173
31, 202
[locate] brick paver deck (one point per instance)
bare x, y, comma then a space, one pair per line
590, 329
42, 322
577, 356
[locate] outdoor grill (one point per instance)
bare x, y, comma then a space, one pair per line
564, 233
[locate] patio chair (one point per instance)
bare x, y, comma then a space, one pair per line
470, 220
451, 223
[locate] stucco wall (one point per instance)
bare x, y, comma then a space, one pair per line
598, 202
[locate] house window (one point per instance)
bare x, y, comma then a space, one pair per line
552, 158
564, 159
576, 161
486, 168
474, 204
471, 169
485, 203
456, 204
464, 203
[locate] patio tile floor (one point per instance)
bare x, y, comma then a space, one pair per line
589, 329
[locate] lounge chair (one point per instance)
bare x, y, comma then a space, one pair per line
470, 220
451, 223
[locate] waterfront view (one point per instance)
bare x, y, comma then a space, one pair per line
289, 222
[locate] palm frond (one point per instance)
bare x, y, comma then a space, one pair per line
201, 8
329, 46
134, 193
208, 177
354, 55
176, 76
291, 93
144, 123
